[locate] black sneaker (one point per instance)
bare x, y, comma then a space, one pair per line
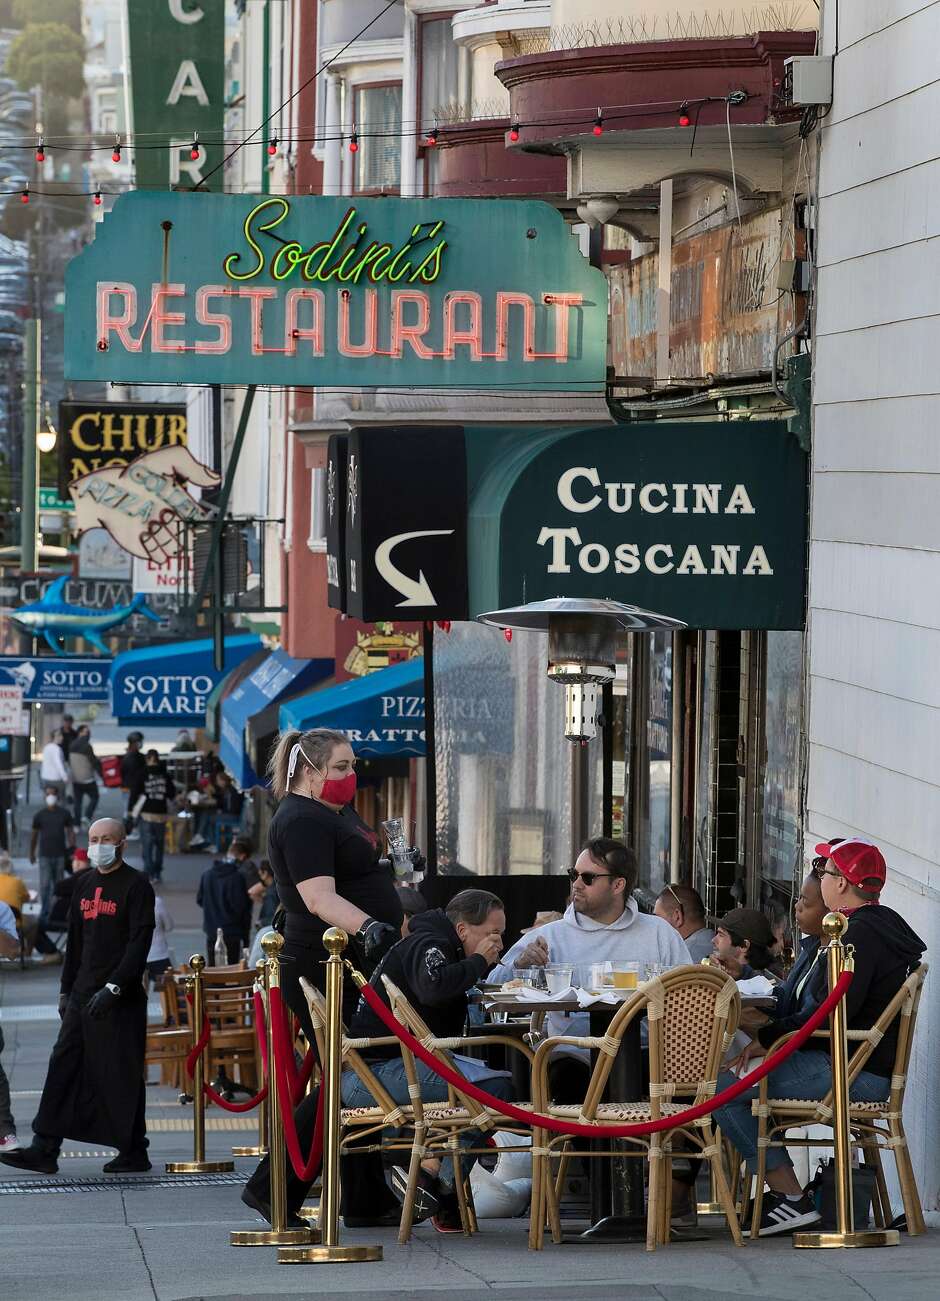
33, 1159
264, 1210
780, 1215
128, 1163
427, 1193
447, 1219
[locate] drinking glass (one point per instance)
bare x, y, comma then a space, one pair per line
558, 976
626, 975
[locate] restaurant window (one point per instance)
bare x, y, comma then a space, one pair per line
781, 855
316, 540
377, 121
504, 780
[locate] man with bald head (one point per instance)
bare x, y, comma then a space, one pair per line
94, 1090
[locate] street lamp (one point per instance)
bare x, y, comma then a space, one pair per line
46, 434
582, 656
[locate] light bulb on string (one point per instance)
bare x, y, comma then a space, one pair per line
507, 633
116, 151
24, 197
97, 198
354, 143
194, 151
40, 151
272, 146
431, 138
684, 118
514, 132
598, 127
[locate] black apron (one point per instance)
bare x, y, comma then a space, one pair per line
94, 1090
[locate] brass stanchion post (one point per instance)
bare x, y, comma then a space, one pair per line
330, 1251
199, 1165
261, 1147
279, 1233
846, 1235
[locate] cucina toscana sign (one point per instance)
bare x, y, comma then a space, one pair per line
221, 288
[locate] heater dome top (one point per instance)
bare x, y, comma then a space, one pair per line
536, 616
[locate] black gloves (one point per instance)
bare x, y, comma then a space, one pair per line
375, 939
100, 1004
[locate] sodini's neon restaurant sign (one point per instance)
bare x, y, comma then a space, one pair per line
225, 288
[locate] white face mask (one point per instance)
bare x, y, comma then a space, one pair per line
51, 800
102, 855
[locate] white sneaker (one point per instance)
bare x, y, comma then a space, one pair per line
9, 1143
134, 835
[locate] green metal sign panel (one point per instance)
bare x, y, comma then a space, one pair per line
703, 521
337, 292
177, 50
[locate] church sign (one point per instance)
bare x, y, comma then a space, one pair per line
338, 292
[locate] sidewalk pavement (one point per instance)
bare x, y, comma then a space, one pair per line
161, 1237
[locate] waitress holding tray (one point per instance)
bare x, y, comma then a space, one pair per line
328, 871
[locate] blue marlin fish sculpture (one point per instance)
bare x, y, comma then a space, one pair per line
54, 618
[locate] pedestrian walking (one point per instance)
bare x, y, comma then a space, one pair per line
85, 767
9, 948
159, 958
226, 907
94, 1088
150, 801
53, 770
53, 834
133, 766
68, 733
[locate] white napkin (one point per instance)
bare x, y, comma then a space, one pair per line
755, 987
587, 997
530, 995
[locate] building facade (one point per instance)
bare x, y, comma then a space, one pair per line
874, 765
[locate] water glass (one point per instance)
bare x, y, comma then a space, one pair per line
626, 975
654, 969
558, 976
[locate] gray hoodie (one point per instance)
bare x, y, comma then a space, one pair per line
633, 937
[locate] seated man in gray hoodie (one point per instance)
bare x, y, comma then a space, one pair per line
601, 924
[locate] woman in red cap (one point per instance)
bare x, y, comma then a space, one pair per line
852, 874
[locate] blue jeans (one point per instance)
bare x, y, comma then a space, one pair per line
51, 870
806, 1074
152, 840
391, 1074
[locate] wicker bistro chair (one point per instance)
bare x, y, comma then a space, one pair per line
438, 1125
692, 1013
233, 1053
874, 1125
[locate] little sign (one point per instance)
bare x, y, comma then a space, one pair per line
51, 679
11, 708
236, 289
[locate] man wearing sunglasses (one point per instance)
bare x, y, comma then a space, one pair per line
852, 874
602, 923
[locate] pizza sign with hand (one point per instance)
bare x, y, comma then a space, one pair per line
144, 504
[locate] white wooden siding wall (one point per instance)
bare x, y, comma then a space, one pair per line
874, 644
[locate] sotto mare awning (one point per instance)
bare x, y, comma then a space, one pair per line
279, 675
382, 713
169, 685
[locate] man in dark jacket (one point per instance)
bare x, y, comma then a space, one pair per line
852, 874
150, 800
440, 960
226, 907
94, 1090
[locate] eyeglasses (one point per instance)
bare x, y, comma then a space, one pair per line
587, 877
825, 871
679, 904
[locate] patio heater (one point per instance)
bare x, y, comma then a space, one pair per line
582, 636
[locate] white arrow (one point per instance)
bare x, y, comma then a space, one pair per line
415, 591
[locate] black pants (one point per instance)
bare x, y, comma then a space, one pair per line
568, 1079
82, 791
365, 1192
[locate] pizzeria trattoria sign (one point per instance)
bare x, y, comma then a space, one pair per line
217, 288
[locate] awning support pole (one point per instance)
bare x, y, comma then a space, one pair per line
225, 494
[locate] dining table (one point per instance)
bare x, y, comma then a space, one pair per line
618, 1211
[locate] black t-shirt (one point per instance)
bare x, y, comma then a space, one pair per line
305, 840
110, 930
51, 824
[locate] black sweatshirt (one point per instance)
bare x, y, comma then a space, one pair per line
886, 951
110, 930
224, 899
430, 968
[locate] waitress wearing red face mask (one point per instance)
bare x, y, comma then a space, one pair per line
328, 871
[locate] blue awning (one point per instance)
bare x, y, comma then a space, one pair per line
169, 684
276, 677
381, 713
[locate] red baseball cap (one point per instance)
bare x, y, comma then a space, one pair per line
858, 860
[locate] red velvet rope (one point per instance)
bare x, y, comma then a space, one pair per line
283, 1062
200, 1047
539, 1121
